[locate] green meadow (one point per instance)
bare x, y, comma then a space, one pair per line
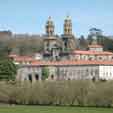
53, 109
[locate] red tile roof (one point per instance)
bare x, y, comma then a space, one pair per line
72, 62
95, 46
92, 52
21, 58
13, 55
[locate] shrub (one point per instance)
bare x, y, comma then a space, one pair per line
80, 93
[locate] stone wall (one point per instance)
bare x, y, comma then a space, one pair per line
78, 72
29, 73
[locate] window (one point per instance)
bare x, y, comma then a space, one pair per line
93, 79
110, 74
90, 58
91, 72
36, 76
107, 74
52, 77
100, 58
30, 77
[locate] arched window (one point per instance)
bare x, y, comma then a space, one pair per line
36, 76
69, 79
52, 77
30, 77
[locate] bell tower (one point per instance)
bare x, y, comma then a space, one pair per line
52, 45
67, 26
68, 37
49, 27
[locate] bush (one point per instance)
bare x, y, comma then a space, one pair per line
77, 93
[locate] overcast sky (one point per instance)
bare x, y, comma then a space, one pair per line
29, 16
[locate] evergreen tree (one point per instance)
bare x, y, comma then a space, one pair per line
7, 69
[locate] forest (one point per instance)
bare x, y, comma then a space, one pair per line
25, 44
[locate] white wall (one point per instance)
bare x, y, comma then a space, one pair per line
96, 49
106, 72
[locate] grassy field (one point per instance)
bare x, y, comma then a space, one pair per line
47, 109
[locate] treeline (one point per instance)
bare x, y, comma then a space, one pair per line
60, 93
24, 44
105, 41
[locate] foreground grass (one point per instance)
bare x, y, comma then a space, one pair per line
52, 109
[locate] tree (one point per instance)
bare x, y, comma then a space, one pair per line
83, 43
45, 73
4, 49
95, 31
7, 69
89, 39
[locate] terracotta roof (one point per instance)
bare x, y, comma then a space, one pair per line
92, 52
12, 55
95, 46
72, 62
21, 58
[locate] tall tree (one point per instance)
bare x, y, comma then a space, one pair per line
83, 44
7, 69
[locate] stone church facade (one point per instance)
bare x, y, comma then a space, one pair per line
57, 48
